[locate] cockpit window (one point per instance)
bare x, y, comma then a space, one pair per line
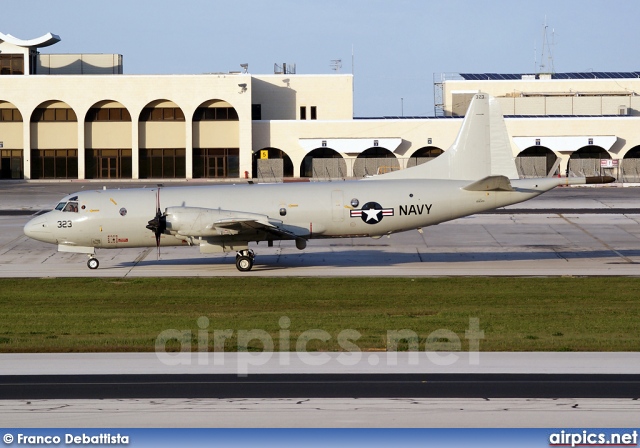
60, 206
71, 207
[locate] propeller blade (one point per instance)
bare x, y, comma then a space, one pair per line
158, 224
158, 216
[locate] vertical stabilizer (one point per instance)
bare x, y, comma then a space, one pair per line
482, 148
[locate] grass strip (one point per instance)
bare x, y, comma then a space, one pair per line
516, 314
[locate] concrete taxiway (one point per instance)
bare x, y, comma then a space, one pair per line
568, 231
322, 413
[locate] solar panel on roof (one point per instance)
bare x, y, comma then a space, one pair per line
568, 75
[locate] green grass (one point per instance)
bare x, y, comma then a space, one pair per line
516, 314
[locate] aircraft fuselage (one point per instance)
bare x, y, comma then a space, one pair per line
118, 218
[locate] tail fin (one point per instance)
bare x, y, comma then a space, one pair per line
482, 148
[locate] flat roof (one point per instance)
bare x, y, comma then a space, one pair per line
570, 75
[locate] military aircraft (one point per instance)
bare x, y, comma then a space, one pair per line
477, 173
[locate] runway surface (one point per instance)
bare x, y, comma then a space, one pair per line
203, 392
37, 387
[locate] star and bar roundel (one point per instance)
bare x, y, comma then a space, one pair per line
371, 213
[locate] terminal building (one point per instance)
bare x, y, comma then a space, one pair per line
66, 116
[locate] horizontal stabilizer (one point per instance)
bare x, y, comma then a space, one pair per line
490, 183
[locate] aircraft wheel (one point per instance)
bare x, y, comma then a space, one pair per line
244, 263
93, 263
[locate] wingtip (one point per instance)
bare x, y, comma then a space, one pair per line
600, 179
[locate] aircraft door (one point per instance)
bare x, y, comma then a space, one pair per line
5, 168
337, 207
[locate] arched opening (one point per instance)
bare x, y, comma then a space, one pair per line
585, 161
375, 160
162, 136
11, 153
271, 165
423, 155
54, 141
630, 170
323, 163
537, 161
108, 141
216, 140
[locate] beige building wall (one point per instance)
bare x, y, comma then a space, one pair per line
281, 96
82, 92
108, 135
415, 134
549, 97
54, 135
222, 134
10, 131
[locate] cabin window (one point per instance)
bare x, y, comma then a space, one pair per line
71, 207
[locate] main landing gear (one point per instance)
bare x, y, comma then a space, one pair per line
93, 263
245, 259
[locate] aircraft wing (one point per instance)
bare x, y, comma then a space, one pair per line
242, 225
205, 222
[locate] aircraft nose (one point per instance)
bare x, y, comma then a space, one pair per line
38, 229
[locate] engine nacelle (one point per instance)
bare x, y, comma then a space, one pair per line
201, 222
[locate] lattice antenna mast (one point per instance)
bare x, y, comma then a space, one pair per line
547, 46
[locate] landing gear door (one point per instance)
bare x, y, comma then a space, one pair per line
337, 207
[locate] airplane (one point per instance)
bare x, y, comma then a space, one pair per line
476, 174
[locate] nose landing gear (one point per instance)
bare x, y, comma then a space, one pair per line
245, 259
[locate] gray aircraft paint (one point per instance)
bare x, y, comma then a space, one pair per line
476, 174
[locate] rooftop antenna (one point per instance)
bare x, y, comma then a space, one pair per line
336, 65
548, 47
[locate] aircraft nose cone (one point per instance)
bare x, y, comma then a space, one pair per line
38, 229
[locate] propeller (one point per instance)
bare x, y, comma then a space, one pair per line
158, 224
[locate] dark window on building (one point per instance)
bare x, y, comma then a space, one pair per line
10, 115
41, 114
11, 164
314, 113
162, 114
108, 164
108, 114
303, 112
11, 64
54, 164
164, 163
216, 162
256, 111
215, 113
